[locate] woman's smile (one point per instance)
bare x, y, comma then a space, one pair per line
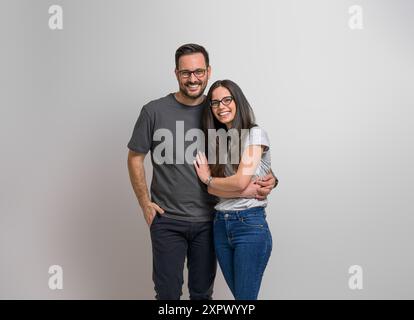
224, 114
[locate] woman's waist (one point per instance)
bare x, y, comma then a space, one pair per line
238, 204
237, 214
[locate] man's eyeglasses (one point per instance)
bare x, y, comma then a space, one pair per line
225, 101
185, 74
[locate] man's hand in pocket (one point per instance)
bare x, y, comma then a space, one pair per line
150, 209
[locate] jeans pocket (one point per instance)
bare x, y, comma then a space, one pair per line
154, 220
215, 218
255, 222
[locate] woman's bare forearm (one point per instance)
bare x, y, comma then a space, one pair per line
224, 194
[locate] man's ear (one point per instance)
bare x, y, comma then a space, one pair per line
209, 72
176, 73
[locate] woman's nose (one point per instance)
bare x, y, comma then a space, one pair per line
222, 106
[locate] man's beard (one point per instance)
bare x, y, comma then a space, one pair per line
185, 92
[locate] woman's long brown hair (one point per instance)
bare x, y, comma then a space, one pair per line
243, 119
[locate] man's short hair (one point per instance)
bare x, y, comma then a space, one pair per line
190, 48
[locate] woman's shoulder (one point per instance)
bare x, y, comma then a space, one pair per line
258, 135
258, 129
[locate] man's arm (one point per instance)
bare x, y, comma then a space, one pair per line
267, 183
274, 177
139, 184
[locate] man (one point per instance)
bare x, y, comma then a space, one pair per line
179, 212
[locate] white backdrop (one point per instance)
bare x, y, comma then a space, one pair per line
337, 104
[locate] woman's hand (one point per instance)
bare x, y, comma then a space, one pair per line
201, 166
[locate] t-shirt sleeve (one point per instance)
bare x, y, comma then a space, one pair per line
258, 136
141, 139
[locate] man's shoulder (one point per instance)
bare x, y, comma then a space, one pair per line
157, 104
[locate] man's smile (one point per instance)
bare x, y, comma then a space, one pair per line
193, 86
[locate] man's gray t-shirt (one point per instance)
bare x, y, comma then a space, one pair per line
256, 136
175, 186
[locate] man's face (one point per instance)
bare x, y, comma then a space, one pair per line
192, 75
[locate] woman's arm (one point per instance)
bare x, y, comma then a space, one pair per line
238, 182
247, 168
252, 191
224, 194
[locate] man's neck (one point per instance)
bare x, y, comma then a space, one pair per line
188, 101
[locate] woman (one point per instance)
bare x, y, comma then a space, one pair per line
242, 239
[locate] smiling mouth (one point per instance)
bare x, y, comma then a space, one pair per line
224, 113
193, 86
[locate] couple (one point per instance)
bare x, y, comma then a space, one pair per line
203, 210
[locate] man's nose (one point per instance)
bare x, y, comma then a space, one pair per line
193, 78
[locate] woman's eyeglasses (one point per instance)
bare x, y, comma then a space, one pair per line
225, 101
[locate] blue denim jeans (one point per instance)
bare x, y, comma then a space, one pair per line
243, 244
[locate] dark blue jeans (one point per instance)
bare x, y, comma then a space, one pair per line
243, 244
173, 241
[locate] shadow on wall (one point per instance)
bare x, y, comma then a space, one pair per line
104, 247
89, 221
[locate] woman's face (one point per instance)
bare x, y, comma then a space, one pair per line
224, 111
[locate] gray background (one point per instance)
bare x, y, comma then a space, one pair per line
337, 104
